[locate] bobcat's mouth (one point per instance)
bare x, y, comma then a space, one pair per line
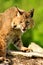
23, 30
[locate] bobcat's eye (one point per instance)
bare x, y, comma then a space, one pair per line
27, 22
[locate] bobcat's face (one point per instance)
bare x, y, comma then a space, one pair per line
23, 20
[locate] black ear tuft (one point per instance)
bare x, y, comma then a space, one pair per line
31, 12
20, 11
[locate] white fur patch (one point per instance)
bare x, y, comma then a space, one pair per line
18, 14
22, 31
12, 25
18, 26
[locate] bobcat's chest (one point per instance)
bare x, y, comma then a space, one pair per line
13, 36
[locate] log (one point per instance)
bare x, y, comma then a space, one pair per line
34, 57
24, 58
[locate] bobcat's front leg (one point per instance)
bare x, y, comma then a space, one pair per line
18, 41
22, 48
25, 49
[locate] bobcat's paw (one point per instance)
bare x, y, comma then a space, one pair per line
25, 49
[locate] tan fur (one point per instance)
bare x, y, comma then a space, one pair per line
7, 32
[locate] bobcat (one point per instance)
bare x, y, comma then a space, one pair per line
13, 22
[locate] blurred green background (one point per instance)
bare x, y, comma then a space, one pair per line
35, 34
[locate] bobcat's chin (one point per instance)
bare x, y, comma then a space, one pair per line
23, 30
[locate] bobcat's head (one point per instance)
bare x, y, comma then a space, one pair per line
23, 20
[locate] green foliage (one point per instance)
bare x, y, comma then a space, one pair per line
12, 47
27, 37
36, 34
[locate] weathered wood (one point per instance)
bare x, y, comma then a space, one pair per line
23, 58
28, 54
34, 57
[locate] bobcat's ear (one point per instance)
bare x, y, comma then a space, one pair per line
31, 13
20, 11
